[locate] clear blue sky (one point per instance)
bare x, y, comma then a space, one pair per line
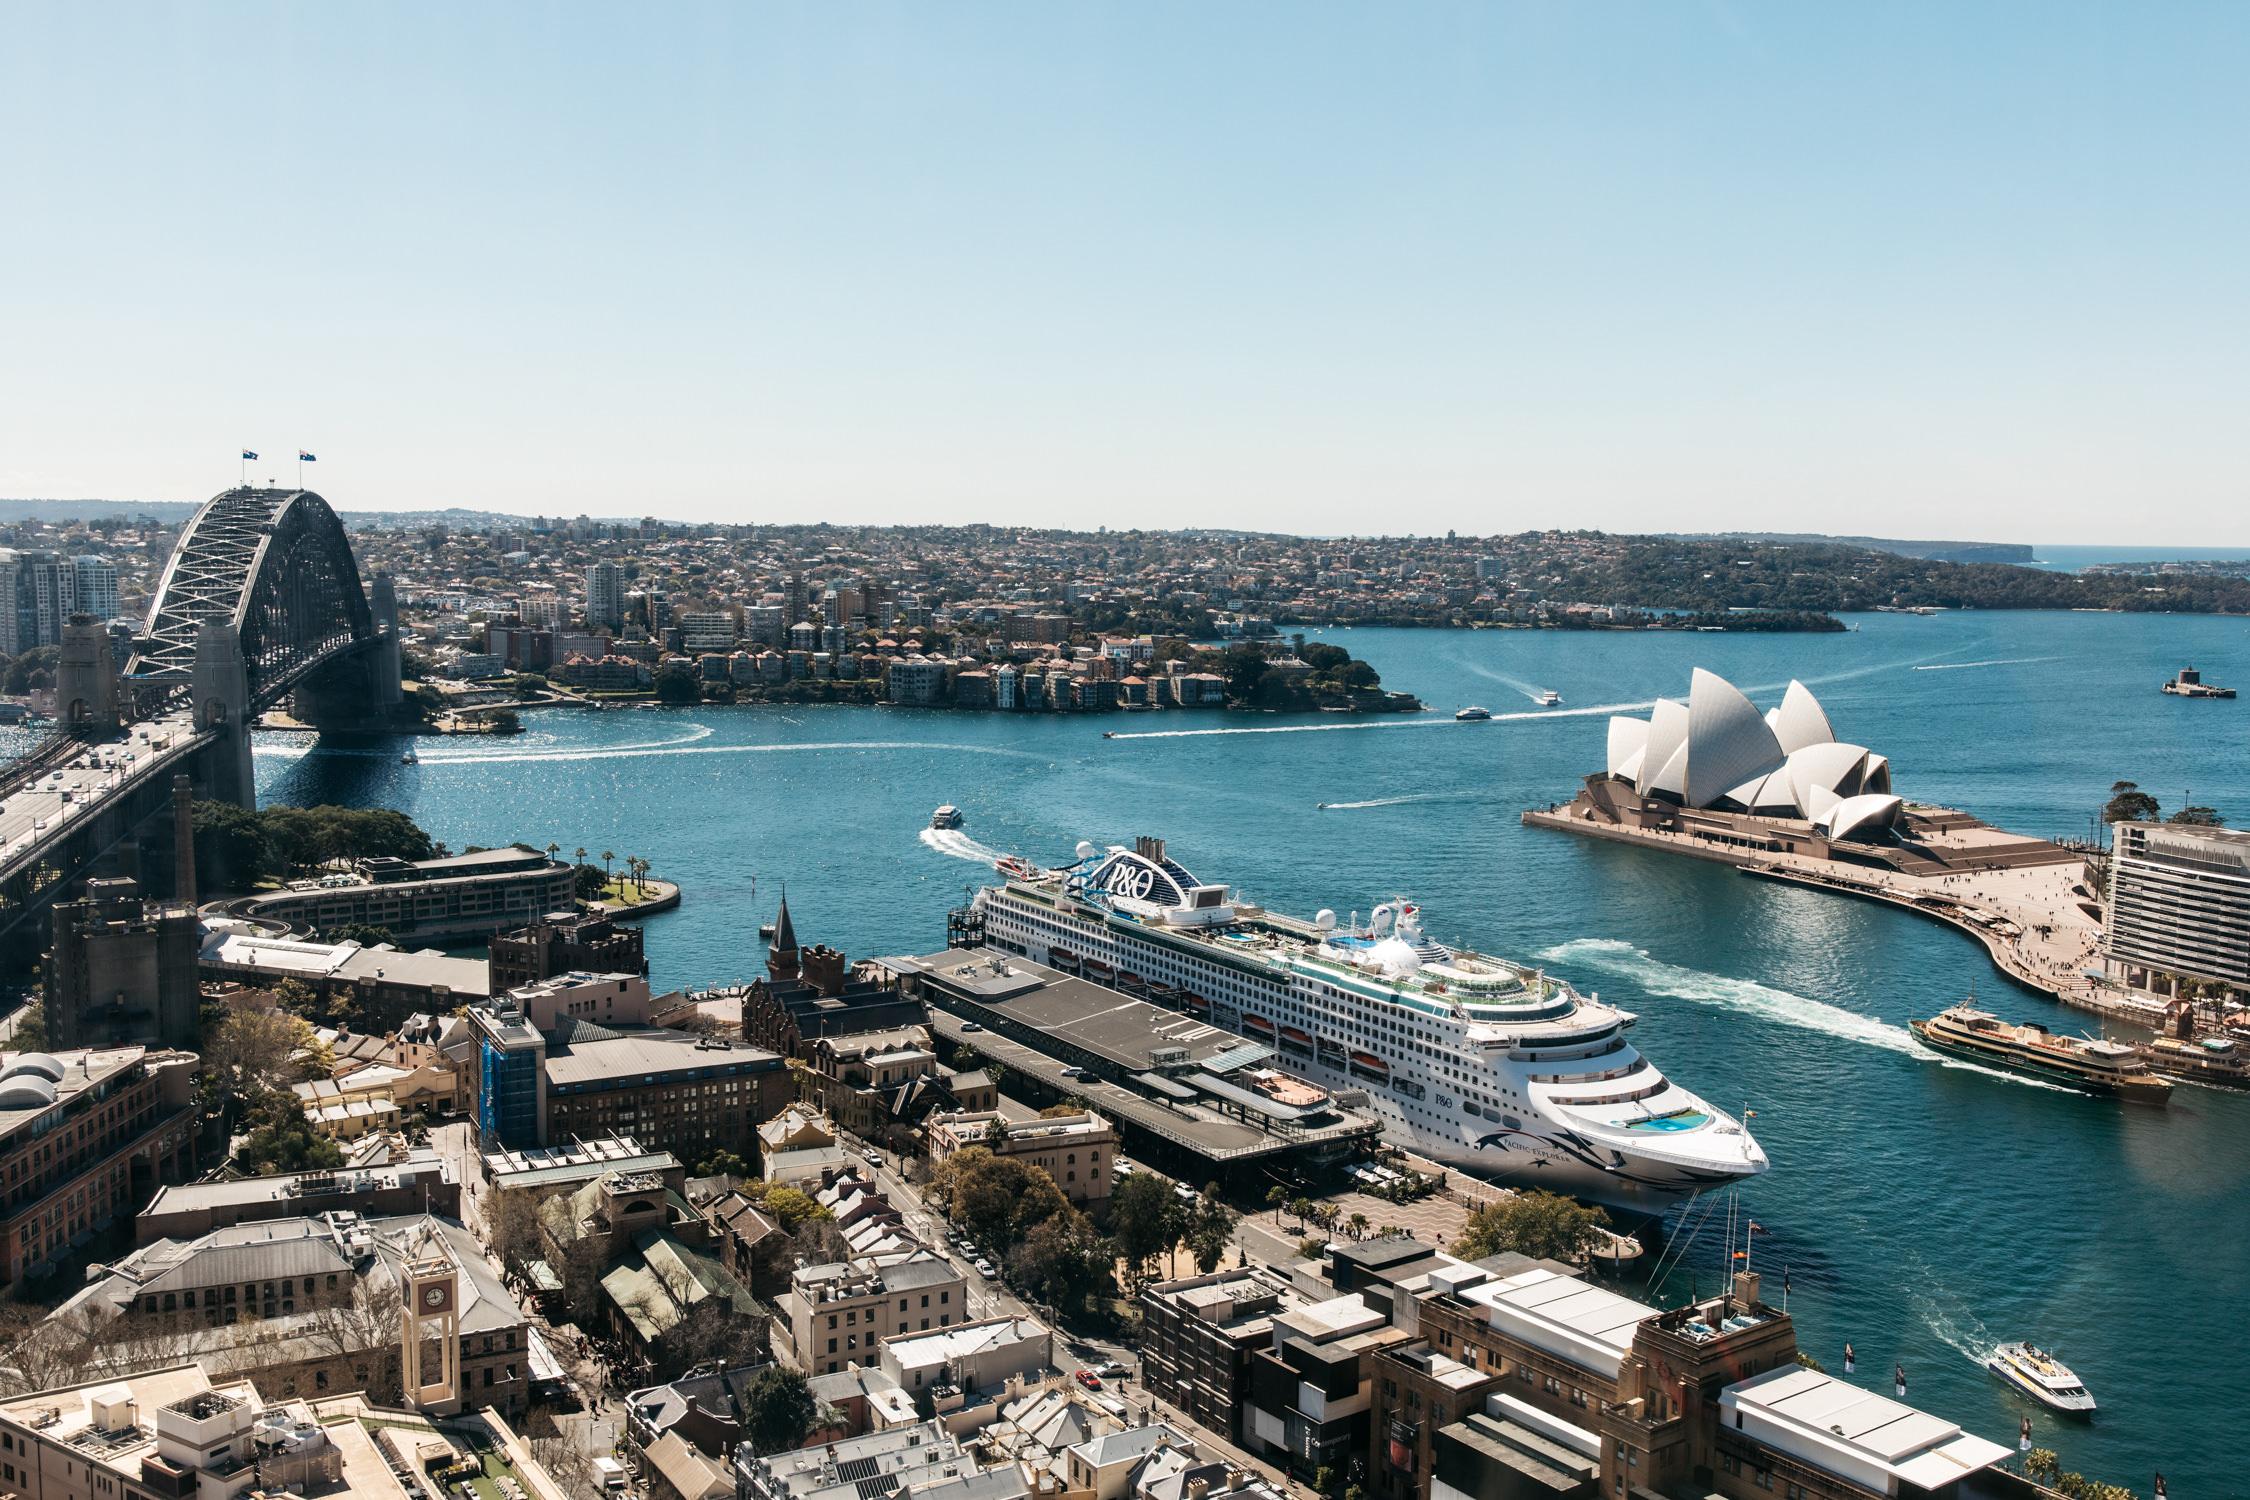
1943, 269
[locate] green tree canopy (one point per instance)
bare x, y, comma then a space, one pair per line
1145, 1217
777, 1409
2128, 804
1531, 1222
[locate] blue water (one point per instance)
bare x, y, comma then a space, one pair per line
1923, 1211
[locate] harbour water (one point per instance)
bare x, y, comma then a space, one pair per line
1923, 1210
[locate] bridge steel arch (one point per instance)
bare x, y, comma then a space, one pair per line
276, 565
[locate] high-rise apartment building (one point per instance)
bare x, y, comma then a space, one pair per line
38, 593
605, 594
2178, 907
96, 579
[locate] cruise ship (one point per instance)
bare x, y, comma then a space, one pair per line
1471, 1061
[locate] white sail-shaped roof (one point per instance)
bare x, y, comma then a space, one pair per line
1835, 768
1716, 750
1800, 721
1627, 738
1860, 814
1728, 742
1664, 762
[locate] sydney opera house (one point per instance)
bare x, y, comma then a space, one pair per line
1717, 753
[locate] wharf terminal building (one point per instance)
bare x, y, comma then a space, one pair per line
2176, 917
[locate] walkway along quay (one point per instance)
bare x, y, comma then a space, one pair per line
2031, 903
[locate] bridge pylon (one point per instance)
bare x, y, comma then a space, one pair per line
86, 679
221, 688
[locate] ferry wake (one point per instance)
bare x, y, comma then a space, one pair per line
1476, 1062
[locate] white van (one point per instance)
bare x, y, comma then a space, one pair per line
611, 1473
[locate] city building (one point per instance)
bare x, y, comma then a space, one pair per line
2177, 918
466, 897
808, 993
542, 1171
1198, 1335
165, 1434
38, 593
920, 1459
838, 1313
383, 985
96, 592
86, 1138
693, 1095
122, 969
416, 1181
605, 594
969, 1357
1307, 1397
313, 1305
1076, 1150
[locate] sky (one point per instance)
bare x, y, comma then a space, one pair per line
1925, 270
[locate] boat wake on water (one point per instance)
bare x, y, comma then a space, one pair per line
1502, 678
1748, 997
630, 752
1393, 801
2003, 661
959, 845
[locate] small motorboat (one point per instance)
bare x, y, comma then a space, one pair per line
1550, 699
1015, 867
1109, 734
410, 759
2042, 1377
1472, 714
947, 816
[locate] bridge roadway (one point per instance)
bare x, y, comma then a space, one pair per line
70, 787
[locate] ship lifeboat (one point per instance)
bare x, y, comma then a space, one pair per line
1098, 969
1369, 1063
1258, 1024
1292, 1037
1194, 1002
1062, 958
1130, 982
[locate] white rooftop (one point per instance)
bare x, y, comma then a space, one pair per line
1563, 1316
1869, 1439
940, 1345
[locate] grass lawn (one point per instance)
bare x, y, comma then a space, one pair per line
624, 893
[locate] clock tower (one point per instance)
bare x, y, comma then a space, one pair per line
430, 1356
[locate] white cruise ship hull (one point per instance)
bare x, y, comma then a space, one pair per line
1516, 1142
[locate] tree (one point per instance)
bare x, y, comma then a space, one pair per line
588, 883
2128, 804
511, 1229
998, 1199
790, 1207
1145, 1218
1359, 1226
1210, 1228
1275, 1197
282, 1140
30, 1034
608, 859
1062, 1260
230, 847
2198, 817
777, 1410
722, 1164
1531, 1222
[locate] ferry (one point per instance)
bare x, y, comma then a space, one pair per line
2042, 1377
1550, 699
2190, 684
1472, 1061
2097, 1067
947, 816
1472, 714
2218, 1061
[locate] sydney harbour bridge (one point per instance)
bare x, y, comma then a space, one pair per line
261, 603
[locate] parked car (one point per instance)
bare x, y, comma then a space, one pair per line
986, 1269
872, 1158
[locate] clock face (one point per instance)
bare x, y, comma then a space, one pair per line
433, 1296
